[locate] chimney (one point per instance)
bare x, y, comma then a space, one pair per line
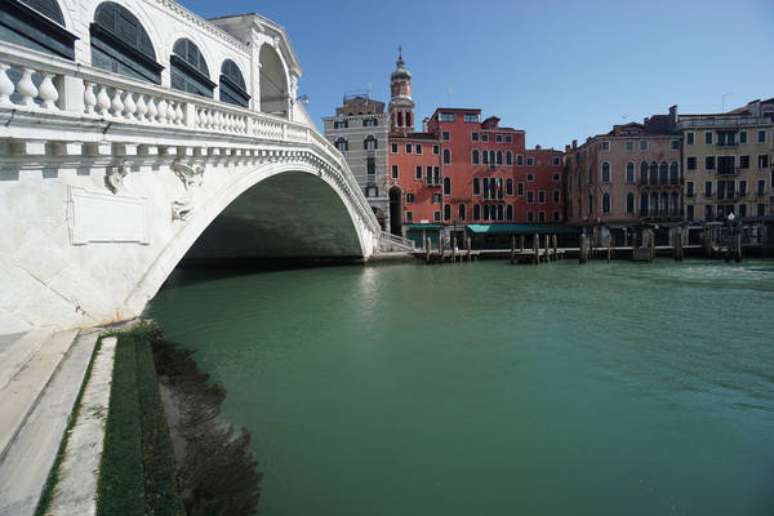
575, 144
425, 121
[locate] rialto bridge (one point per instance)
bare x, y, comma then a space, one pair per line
134, 133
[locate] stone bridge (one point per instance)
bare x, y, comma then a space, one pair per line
134, 133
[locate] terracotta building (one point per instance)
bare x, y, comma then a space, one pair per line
460, 172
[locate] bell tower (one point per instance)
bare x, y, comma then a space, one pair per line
401, 104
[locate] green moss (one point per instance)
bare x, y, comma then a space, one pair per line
137, 474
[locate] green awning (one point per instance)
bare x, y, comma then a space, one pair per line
424, 227
521, 229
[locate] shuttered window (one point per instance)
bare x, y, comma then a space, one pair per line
232, 85
120, 44
189, 69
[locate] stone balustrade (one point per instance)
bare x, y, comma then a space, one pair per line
36, 83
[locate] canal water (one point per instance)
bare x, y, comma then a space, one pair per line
489, 389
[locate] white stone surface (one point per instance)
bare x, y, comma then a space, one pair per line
89, 238
27, 461
76, 490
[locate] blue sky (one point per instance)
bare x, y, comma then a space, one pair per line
560, 69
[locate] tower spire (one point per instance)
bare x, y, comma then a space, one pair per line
401, 103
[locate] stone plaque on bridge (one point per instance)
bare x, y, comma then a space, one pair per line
105, 218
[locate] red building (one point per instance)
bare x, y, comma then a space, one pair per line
461, 174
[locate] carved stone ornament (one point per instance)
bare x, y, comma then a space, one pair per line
191, 176
114, 177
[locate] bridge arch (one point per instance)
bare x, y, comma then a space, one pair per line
237, 209
274, 82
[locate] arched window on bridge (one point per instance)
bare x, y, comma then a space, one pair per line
275, 93
342, 144
120, 44
36, 24
232, 85
189, 69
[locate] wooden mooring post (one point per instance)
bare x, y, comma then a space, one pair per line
454, 249
470, 249
513, 249
521, 243
427, 250
440, 248
610, 249
583, 255
536, 248
677, 244
546, 249
555, 242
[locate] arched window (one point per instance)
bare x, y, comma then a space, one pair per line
674, 174
342, 144
499, 157
509, 212
644, 173
29, 23
663, 173
447, 212
400, 118
654, 173
446, 186
654, 204
605, 172
273, 82
476, 159
477, 212
485, 156
509, 186
232, 85
664, 203
630, 203
120, 44
492, 159
461, 212
408, 118
446, 156
606, 203
675, 203
476, 186
500, 212
189, 69
644, 204
370, 143
509, 158
630, 172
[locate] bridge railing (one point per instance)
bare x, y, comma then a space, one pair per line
35, 82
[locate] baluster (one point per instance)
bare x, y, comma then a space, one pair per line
130, 106
89, 99
142, 108
27, 88
210, 119
117, 104
163, 107
48, 92
103, 101
6, 86
179, 113
171, 112
153, 111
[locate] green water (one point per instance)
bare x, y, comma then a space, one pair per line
488, 389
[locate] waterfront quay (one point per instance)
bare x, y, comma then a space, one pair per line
190, 263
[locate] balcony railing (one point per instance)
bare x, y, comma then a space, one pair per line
42, 84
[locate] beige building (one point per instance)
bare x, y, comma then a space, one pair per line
728, 159
360, 131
